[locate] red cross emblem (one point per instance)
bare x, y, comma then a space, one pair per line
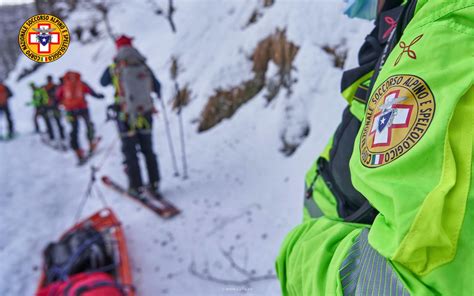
392, 116
43, 40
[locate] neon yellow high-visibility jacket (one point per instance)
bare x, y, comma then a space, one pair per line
413, 161
40, 97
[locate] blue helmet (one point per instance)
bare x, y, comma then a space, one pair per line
364, 9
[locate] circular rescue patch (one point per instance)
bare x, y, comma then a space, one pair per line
398, 115
44, 38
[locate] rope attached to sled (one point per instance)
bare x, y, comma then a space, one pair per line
91, 185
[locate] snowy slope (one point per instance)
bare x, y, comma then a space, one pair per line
242, 196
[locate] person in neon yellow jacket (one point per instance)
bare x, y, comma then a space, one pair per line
397, 217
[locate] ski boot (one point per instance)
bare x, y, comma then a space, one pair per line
93, 145
154, 188
11, 135
137, 192
80, 156
63, 145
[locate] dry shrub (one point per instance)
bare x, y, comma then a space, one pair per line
338, 53
268, 3
253, 18
289, 144
182, 97
258, 13
174, 68
275, 48
224, 103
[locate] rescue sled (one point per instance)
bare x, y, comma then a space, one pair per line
116, 276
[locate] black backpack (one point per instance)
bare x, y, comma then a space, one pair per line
82, 250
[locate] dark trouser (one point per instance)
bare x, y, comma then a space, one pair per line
44, 113
35, 120
141, 139
73, 118
5, 109
56, 113
49, 114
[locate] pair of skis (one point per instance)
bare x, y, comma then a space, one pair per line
151, 200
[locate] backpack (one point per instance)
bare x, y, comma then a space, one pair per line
73, 91
82, 250
136, 82
3, 95
84, 284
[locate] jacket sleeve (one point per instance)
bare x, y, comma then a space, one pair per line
156, 83
90, 91
310, 257
106, 78
417, 169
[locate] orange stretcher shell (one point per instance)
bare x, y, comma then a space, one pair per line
105, 221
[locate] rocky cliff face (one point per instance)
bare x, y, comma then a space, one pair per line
11, 17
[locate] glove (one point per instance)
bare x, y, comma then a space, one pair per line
112, 112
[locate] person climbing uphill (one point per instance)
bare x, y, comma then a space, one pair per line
53, 108
5, 95
41, 102
389, 205
134, 82
71, 94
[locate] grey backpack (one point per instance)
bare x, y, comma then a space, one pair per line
136, 82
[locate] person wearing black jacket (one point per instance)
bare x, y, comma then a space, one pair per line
51, 88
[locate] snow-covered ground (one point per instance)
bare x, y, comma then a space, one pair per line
242, 196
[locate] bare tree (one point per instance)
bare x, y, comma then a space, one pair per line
104, 11
11, 18
168, 14
247, 277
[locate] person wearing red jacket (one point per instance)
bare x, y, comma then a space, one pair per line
5, 95
71, 94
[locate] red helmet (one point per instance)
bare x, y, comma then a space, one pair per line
123, 40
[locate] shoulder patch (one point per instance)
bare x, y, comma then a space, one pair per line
398, 115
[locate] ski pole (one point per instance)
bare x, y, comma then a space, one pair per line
181, 133
170, 141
